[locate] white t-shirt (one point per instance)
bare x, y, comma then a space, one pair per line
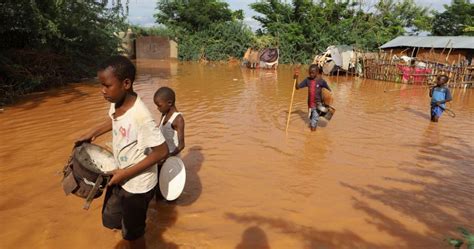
133, 134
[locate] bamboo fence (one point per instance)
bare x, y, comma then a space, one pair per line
389, 67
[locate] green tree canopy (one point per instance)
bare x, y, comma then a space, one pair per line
194, 15
205, 29
402, 17
457, 19
45, 43
87, 25
304, 27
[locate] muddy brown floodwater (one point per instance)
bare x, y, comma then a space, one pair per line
378, 175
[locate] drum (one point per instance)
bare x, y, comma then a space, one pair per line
327, 96
85, 173
172, 178
95, 158
322, 109
330, 113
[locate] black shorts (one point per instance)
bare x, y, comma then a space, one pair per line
126, 211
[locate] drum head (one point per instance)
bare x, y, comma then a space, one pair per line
95, 158
322, 109
172, 178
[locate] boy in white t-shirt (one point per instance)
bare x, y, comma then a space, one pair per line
138, 145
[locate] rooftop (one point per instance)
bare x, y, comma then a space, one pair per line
456, 42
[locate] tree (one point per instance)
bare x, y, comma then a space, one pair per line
49, 42
305, 27
457, 19
402, 17
219, 41
194, 15
60, 25
205, 29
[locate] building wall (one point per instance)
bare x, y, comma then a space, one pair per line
443, 57
155, 47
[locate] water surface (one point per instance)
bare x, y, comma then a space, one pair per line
378, 175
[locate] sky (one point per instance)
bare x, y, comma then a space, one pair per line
141, 11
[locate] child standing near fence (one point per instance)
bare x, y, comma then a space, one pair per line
440, 95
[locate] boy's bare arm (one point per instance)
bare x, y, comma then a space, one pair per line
178, 125
92, 134
157, 154
326, 85
449, 97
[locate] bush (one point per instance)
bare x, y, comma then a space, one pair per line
220, 41
47, 43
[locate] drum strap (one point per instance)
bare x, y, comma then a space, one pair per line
68, 181
94, 190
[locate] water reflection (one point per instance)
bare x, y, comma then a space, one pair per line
192, 190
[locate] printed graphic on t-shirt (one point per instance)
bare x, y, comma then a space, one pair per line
125, 132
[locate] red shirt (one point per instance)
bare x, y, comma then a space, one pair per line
314, 90
312, 93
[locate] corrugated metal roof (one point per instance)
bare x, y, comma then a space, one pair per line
459, 42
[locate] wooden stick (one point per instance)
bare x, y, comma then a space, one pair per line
451, 72
90, 196
441, 55
464, 74
449, 52
431, 50
295, 77
387, 72
356, 63
413, 52
403, 51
